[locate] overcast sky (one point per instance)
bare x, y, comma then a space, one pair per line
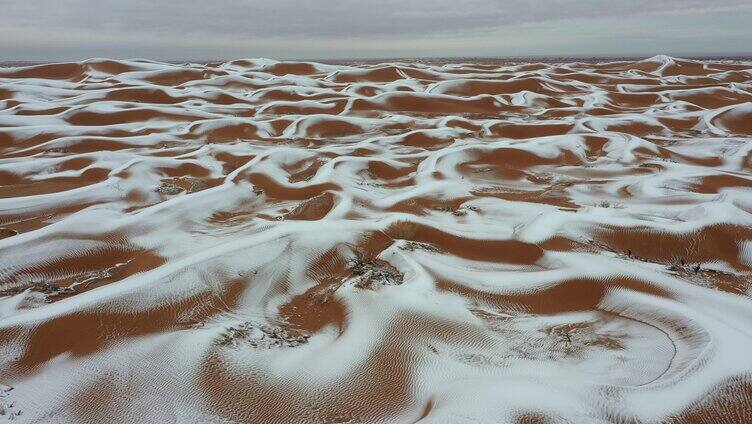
326, 29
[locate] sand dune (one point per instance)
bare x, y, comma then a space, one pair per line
262, 241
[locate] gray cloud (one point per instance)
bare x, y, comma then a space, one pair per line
337, 28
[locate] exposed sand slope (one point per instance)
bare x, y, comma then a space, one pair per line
261, 241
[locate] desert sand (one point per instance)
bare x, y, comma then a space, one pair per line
258, 241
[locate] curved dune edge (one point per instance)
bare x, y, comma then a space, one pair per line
264, 241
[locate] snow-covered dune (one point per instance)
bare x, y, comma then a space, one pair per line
262, 241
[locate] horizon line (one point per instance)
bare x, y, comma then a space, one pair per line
548, 57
